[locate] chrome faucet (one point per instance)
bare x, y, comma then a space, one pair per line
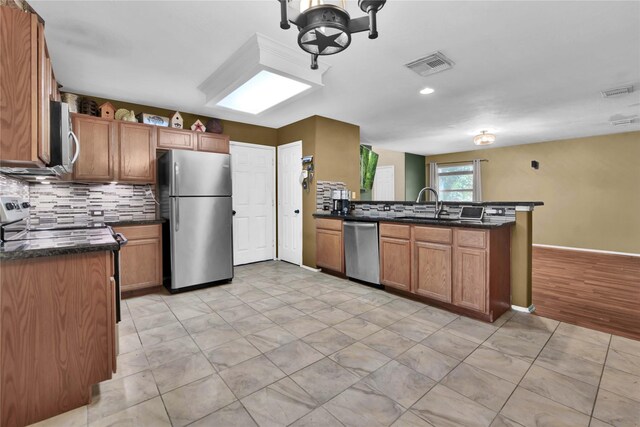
438, 208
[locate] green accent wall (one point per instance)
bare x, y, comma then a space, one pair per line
414, 175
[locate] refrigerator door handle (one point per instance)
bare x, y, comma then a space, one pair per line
176, 175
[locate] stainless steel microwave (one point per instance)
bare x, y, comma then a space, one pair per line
64, 146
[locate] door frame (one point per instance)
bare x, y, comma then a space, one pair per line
387, 167
300, 240
274, 175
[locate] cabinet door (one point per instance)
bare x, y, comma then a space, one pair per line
141, 258
329, 250
44, 96
395, 263
97, 148
432, 270
169, 138
18, 88
213, 142
112, 330
137, 143
470, 280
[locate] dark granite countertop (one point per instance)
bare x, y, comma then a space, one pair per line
74, 242
499, 203
136, 222
425, 221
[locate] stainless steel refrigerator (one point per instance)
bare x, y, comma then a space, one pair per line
195, 199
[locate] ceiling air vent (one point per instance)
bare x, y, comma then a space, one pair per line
617, 91
430, 64
624, 122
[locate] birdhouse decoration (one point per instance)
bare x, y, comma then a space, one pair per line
198, 126
176, 121
106, 111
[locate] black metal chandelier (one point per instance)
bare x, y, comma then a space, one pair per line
325, 27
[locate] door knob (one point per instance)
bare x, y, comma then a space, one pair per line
233, 212
297, 211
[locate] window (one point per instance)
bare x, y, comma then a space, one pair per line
455, 182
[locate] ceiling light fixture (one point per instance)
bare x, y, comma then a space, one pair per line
484, 138
427, 91
261, 92
325, 26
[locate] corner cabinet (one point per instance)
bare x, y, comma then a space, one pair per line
462, 269
329, 245
141, 258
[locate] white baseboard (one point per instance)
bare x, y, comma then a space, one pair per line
529, 309
596, 251
315, 270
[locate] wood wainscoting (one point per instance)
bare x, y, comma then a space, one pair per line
591, 289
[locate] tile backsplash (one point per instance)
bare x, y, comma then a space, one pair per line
13, 187
71, 203
323, 193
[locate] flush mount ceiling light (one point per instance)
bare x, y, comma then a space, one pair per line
325, 26
484, 138
258, 76
427, 91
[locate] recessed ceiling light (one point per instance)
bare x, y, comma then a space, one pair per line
484, 138
261, 92
426, 91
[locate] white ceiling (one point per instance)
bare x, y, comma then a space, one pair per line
529, 70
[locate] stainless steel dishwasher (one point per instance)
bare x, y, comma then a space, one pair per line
361, 251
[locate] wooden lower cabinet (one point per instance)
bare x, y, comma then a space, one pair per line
57, 334
141, 258
329, 245
465, 270
395, 263
432, 270
470, 283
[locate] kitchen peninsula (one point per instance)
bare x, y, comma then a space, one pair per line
476, 268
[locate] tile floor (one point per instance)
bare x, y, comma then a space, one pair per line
285, 346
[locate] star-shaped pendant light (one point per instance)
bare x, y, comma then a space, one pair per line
325, 26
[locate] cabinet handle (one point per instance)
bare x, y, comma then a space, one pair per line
176, 174
77, 143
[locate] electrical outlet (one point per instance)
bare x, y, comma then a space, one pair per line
96, 213
386, 208
500, 211
325, 207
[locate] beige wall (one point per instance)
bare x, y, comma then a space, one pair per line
397, 160
336, 149
590, 188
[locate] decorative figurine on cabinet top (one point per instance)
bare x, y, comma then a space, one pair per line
214, 126
107, 111
176, 121
198, 126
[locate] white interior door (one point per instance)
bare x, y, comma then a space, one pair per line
253, 173
290, 203
384, 184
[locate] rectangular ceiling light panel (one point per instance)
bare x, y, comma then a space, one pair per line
261, 92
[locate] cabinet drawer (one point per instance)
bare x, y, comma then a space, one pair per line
433, 234
136, 232
395, 230
329, 224
471, 238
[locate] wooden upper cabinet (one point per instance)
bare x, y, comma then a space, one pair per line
44, 97
432, 270
470, 284
169, 138
98, 146
19, 112
213, 142
137, 156
395, 263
